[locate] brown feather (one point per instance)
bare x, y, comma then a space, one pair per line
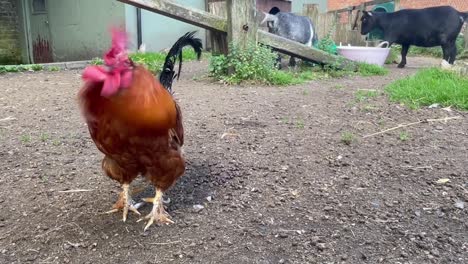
139, 130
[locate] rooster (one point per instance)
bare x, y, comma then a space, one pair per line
134, 120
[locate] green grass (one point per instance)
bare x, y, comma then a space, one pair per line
431, 86
21, 68
404, 136
300, 124
155, 60
152, 60
365, 69
347, 138
25, 138
364, 95
44, 137
37, 67
54, 68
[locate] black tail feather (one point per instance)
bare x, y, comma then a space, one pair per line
168, 74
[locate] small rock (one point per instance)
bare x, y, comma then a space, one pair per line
321, 246
283, 235
433, 106
435, 252
198, 208
460, 204
209, 198
328, 208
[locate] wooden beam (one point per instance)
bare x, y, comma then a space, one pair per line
243, 27
242, 21
188, 15
302, 51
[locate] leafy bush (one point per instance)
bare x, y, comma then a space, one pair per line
255, 63
37, 67
327, 44
97, 61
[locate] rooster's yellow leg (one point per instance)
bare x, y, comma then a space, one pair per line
158, 213
125, 202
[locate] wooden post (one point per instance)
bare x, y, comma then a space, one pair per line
208, 37
218, 40
311, 10
242, 26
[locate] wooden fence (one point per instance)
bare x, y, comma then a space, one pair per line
344, 24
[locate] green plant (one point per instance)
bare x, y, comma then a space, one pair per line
155, 60
431, 86
37, 67
54, 68
404, 136
326, 43
369, 108
97, 61
363, 95
12, 68
365, 69
300, 124
3, 69
25, 138
44, 137
254, 63
347, 137
56, 142
22, 68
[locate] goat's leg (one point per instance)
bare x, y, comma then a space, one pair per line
404, 52
278, 61
292, 62
453, 53
446, 50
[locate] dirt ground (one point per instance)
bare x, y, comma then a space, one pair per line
269, 165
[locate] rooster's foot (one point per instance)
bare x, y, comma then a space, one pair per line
125, 203
158, 213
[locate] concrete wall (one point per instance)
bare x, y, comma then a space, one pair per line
297, 5
80, 29
160, 32
10, 52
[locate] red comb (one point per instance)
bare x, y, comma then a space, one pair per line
118, 51
118, 73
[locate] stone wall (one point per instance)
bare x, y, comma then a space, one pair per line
10, 51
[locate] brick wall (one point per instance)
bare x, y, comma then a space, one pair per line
460, 5
10, 52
